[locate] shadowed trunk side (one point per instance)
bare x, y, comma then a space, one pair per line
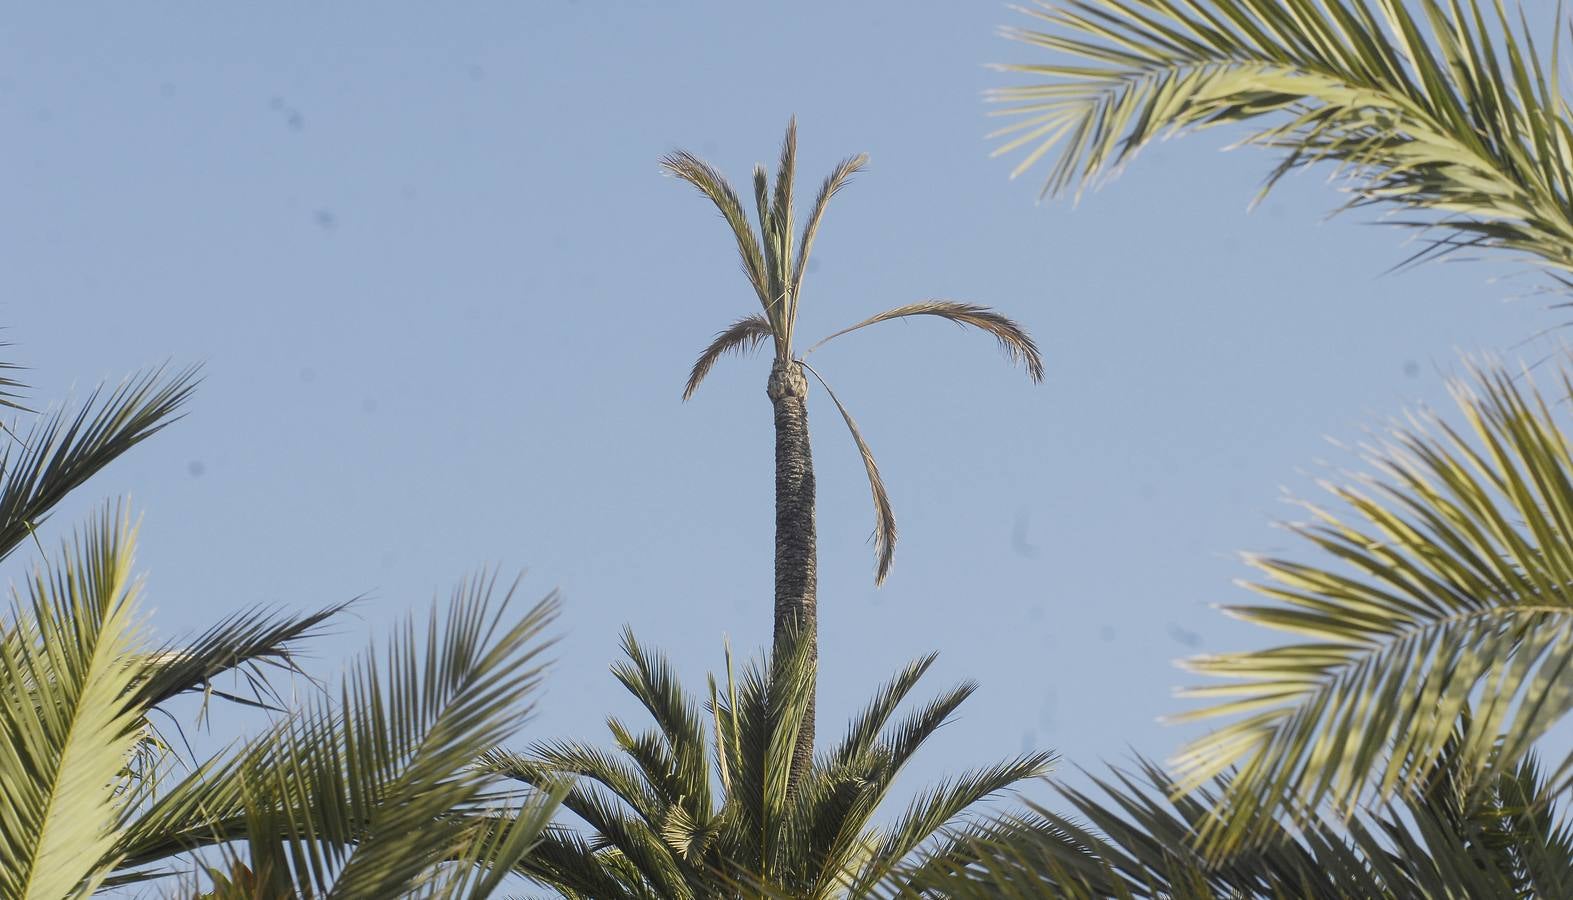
796, 574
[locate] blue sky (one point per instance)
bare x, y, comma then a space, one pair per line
447, 302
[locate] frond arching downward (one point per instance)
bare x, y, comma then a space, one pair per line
1448, 583
1013, 339
884, 515
1442, 108
742, 337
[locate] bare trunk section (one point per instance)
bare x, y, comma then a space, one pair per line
796, 572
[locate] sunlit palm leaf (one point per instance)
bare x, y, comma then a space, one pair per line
742, 337
1449, 582
1017, 344
884, 514
67, 658
1441, 108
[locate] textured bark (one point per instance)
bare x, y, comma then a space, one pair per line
796, 572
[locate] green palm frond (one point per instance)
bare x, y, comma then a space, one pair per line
369, 795
244, 643
1133, 838
1448, 581
11, 388
62, 451
760, 835
1442, 109
68, 656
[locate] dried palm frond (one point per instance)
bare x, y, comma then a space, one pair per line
742, 337
884, 515
703, 176
837, 179
1017, 344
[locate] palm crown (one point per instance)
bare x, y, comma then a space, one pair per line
659, 830
775, 268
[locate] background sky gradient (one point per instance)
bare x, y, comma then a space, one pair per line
447, 303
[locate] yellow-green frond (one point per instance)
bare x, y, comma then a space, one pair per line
1442, 108
1447, 582
68, 659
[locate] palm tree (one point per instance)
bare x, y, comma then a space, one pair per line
369, 796
376, 793
1134, 841
658, 830
1453, 567
775, 270
1439, 109
332, 794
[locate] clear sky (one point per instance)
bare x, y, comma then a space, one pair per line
447, 302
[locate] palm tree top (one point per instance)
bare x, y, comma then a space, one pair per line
700, 805
775, 268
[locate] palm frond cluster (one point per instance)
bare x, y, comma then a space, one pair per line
1136, 838
371, 795
703, 805
1447, 111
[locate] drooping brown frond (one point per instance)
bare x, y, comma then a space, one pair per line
884, 515
712, 184
832, 186
1013, 339
744, 336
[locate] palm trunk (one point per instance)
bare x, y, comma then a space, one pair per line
796, 575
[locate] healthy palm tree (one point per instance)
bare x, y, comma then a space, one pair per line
92, 795
376, 793
1452, 569
775, 268
1134, 841
659, 829
371, 796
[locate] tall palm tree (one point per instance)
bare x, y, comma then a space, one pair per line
658, 830
775, 268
